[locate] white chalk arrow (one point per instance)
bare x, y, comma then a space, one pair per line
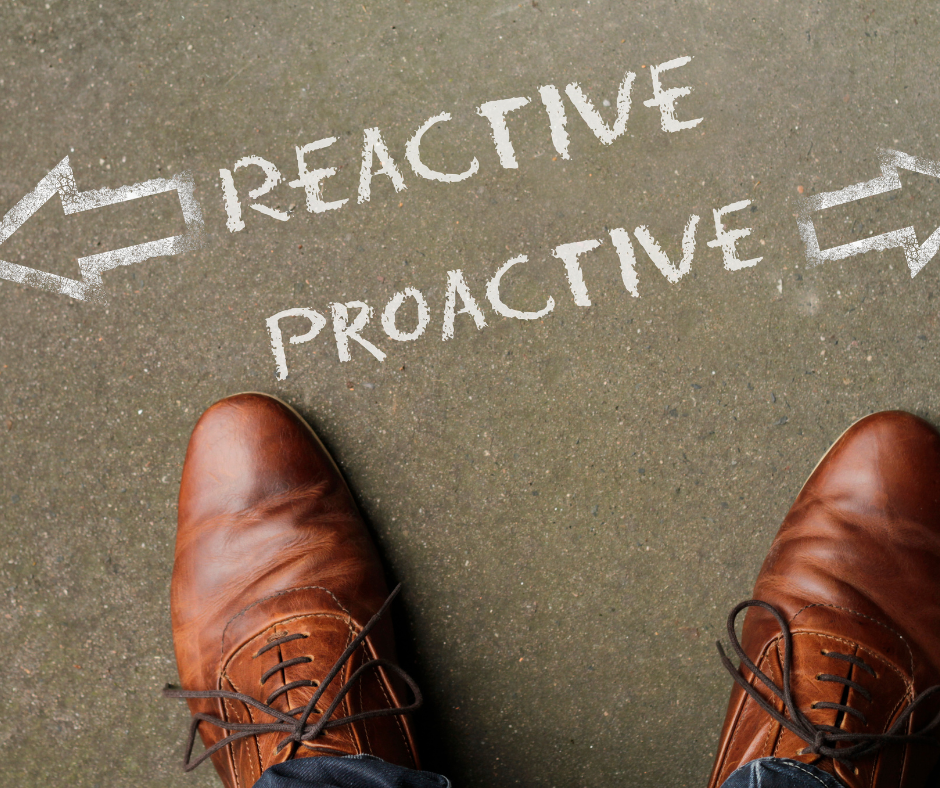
61, 180
917, 255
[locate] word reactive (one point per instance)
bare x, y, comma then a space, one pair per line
496, 112
345, 331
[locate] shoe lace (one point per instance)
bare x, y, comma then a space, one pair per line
295, 722
823, 740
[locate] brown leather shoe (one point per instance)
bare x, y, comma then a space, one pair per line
275, 588
841, 655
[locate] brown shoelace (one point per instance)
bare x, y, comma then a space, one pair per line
295, 723
823, 740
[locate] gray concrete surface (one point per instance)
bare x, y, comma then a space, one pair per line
572, 503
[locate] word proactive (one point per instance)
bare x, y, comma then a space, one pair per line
346, 331
496, 112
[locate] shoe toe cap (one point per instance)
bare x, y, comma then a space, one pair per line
886, 464
245, 448
864, 533
263, 510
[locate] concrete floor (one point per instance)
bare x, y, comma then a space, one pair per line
573, 503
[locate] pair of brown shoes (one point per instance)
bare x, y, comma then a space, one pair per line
285, 648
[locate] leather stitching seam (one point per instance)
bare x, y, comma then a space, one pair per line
289, 620
859, 647
230, 751
769, 669
903, 639
274, 596
397, 720
365, 725
724, 747
758, 662
231, 748
347, 670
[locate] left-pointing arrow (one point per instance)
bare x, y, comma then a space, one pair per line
61, 180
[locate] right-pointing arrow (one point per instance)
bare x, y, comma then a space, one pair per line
917, 255
61, 180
